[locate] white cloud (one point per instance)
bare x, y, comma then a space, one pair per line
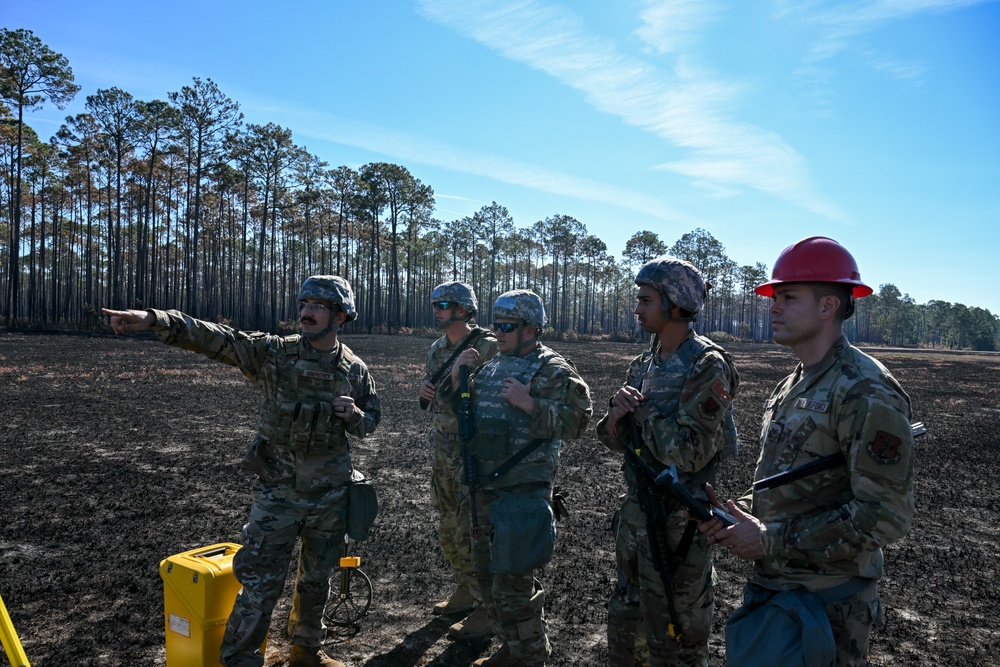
415, 149
840, 22
669, 26
687, 107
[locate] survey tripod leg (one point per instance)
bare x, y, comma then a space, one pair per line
8, 637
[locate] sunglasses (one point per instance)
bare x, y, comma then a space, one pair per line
444, 305
315, 306
507, 327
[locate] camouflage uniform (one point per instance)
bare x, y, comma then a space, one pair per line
828, 529
303, 465
687, 421
562, 411
446, 491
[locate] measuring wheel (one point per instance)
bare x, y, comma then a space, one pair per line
350, 598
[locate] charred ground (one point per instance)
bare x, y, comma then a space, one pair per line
116, 452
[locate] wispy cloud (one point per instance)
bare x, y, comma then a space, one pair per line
686, 106
669, 26
420, 150
840, 22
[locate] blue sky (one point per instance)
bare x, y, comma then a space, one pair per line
874, 122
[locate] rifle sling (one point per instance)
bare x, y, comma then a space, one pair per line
466, 342
804, 470
515, 459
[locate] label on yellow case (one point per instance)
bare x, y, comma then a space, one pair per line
180, 625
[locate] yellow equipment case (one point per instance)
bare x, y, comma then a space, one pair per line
198, 594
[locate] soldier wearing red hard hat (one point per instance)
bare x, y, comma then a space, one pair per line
816, 540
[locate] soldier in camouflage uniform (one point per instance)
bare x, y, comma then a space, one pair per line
454, 305
316, 391
823, 535
527, 400
679, 395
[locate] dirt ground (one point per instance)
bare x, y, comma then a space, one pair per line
116, 452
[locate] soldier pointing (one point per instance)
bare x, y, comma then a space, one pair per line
317, 394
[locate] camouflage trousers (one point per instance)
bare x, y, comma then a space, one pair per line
851, 619
515, 601
449, 498
278, 517
638, 606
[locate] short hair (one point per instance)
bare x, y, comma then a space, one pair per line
840, 290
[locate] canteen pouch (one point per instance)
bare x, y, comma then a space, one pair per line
524, 533
362, 507
490, 441
789, 628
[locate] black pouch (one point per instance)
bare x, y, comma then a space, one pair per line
362, 507
524, 532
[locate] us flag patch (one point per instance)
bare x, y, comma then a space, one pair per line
720, 391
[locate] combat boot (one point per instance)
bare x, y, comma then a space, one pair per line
502, 658
311, 656
460, 601
478, 625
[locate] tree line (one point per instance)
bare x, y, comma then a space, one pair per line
177, 203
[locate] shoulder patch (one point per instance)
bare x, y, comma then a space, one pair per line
709, 408
885, 448
719, 390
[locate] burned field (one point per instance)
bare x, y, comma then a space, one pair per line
116, 452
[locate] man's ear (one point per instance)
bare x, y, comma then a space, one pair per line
340, 319
829, 304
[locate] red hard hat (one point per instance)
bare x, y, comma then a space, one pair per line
817, 259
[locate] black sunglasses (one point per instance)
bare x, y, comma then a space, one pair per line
507, 327
444, 305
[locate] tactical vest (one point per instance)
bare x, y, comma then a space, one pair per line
663, 390
502, 429
297, 415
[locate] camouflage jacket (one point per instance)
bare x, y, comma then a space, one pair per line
826, 528
305, 456
562, 411
441, 350
687, 419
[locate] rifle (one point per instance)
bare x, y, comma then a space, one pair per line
669, 480
656, 521
818, 465
446, 366
466, 431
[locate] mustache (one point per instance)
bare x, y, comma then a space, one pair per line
305, 319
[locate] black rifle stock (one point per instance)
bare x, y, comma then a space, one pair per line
466, 431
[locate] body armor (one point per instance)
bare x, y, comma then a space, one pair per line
303, 442
502, 429
663, 393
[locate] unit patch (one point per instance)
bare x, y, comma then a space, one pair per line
885, 448
709, 408
815, 406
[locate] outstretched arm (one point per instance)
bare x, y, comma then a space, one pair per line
130, 320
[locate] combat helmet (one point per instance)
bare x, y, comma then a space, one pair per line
679, 283
334, 289
521, 304
458, 293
